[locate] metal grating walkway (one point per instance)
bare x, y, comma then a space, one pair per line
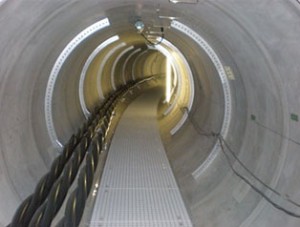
138, 188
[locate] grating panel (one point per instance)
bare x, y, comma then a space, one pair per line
138, 187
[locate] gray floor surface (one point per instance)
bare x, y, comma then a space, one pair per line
138, 187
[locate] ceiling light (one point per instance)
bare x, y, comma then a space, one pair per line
168, 17
168, 80
139, 25
184, 1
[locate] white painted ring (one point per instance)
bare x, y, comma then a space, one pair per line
90, 59
75, 42
226, 90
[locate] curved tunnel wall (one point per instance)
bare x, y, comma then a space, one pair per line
257, 41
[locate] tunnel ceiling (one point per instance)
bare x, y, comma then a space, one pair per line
234, 72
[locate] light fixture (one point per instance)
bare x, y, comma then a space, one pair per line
168, 17
168, 80
139, 25
184, 1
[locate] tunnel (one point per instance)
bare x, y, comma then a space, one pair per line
225, 75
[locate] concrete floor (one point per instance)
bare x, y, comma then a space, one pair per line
258, 40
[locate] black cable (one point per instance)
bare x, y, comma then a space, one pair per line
277, 133
254, 187
221, 141
150, 42
159, 42
198, 129
254, 176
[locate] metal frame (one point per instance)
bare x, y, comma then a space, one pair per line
126, 61
191, 82
75, 42
135, 61
90, 59
226, 90
112, 75
103, 62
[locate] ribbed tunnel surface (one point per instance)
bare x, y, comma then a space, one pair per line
234, 71
138, 187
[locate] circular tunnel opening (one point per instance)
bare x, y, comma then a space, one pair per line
222, 69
